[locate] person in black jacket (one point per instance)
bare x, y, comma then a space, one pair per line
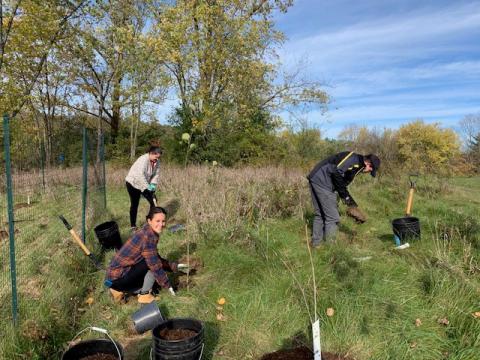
331, 175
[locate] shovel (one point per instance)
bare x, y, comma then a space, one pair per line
79, 242
408, 226
408, 210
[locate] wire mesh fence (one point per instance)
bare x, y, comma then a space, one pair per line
61, 176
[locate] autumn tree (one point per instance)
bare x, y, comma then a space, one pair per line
427, 147
28, 31
220, 54
114, 67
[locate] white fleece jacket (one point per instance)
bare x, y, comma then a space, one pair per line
141, 173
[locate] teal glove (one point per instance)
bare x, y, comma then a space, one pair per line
152, 187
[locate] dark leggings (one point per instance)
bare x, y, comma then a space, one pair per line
134, 194
133, 279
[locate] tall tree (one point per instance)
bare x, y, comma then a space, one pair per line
219, 54
114, 62
28, 31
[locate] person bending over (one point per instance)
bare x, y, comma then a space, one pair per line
142, 179
331, 175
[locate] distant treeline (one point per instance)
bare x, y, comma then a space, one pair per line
416, 146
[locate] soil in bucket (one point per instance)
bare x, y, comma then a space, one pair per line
177, 334
100, 357
300, 353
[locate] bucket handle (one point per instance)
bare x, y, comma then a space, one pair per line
199, 358
102, 331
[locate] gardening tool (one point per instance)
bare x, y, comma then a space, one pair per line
408, 210
79, 242
407, 227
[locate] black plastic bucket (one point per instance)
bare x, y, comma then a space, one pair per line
108, 235
406, 228
185, 349
93, 347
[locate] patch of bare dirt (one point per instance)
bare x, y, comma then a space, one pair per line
300, 353
194, 262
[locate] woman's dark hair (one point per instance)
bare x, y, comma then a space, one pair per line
156, 210
155, 149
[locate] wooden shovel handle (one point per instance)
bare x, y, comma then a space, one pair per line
79, 242
409, 202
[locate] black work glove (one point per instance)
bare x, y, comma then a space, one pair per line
350, 202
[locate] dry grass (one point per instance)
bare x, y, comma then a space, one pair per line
229, 197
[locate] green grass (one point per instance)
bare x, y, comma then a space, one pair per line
262, 267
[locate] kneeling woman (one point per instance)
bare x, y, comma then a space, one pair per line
137, 265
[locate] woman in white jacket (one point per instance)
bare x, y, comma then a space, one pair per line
142, 179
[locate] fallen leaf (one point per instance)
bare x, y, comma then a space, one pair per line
443, 321
89, 301
418, 322
476, 314
330, 312
221, 301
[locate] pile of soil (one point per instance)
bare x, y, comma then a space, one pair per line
300, 353
176, 334
100, 357
194, 262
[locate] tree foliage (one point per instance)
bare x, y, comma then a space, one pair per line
217, 52
427, 147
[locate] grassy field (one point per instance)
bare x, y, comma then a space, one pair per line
249, 228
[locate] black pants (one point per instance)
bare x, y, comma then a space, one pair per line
133, 279
134, 194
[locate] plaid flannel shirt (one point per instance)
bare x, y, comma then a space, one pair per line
142, 245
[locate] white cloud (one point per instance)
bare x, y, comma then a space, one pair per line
389, 39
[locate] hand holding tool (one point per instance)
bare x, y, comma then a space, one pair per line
184, 268
356, 214
152, 187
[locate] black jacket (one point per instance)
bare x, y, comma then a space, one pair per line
336, 172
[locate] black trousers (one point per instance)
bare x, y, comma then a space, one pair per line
133, 279
134, 194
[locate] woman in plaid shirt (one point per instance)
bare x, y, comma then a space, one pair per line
137, 265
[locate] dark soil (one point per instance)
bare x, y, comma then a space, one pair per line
194, 262
181, 282
176, 334
300, 353
100, 357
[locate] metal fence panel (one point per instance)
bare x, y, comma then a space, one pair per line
46, 182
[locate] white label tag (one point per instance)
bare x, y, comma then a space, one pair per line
317, 350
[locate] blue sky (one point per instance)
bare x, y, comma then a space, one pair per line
386, 63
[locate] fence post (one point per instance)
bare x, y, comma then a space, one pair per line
102, 158
84, 182
42, 162
11, 228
